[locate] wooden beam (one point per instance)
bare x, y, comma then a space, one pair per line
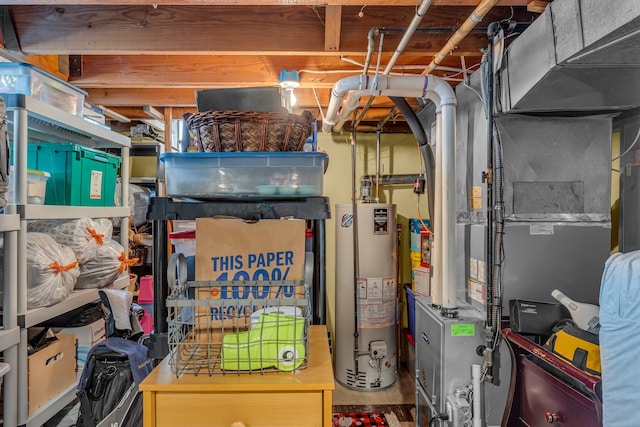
152, 112
214, 30
114, 115
198, 71
332, 25
537, 6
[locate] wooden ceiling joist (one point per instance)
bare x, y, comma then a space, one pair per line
217, 30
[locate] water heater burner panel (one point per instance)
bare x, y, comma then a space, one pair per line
378, 349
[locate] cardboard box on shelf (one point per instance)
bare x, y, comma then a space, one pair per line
86, 336
50, 370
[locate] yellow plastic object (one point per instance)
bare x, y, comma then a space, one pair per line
578, 347
276, 340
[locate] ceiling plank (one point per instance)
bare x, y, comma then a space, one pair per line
333, 21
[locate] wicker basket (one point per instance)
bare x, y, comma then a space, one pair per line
249, 131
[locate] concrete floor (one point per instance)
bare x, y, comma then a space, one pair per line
399, 398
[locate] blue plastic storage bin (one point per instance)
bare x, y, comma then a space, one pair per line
20, 77
244, 174
411, 309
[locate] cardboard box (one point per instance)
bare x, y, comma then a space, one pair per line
422, 281
234, 249
86, 336
416, 231
420, 240
51, 370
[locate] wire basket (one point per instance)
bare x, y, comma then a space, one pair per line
238, 327
225, 131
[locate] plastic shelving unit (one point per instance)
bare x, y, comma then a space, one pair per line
33, 121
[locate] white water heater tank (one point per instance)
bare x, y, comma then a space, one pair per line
366, 352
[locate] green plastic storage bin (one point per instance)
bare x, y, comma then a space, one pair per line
80, 176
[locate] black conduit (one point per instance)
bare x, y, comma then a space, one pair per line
425, 149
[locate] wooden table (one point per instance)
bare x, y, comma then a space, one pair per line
302, 399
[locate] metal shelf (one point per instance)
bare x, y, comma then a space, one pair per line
70, 212
9, 338
312, 208
9, 222
33, 121
143, 181
78, 298
49, 124
53, 406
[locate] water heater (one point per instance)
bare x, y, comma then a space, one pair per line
365, 351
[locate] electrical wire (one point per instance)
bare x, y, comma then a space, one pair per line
315, 94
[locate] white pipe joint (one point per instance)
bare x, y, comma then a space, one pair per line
340, 89
403, 86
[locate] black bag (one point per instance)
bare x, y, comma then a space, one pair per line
110, 396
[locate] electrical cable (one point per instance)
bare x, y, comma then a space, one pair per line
315, 94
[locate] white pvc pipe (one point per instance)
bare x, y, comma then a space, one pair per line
449, 274
436, 253
478, 394
441, 93
338, 93
420, 12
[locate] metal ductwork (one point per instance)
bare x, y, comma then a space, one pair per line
578, 56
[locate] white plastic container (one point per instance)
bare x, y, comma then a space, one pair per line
36, 186
244, 174
23, 78
184, 242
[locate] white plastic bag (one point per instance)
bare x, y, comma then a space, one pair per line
52, 271
104, 268
84, 235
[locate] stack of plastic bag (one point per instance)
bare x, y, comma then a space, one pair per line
84, 236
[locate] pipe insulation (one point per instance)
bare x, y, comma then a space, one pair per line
441, 93
423, 142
